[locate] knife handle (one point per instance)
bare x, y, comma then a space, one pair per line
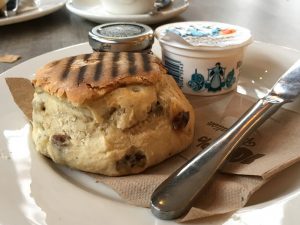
175, 195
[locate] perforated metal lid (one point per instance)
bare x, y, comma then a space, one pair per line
121, 37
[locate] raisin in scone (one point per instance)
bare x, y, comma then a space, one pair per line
109, 113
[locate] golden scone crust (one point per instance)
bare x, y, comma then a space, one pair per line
86, 77
125, 124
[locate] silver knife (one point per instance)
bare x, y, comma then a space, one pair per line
175, 195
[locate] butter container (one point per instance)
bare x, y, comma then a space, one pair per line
204, 58
121, 37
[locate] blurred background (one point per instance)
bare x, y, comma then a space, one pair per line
271, 21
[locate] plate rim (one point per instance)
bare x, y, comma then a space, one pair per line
34, 14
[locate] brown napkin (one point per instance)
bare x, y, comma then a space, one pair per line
269, 150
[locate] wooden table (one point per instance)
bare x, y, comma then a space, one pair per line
271, 21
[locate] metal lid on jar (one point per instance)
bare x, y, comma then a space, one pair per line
121, 37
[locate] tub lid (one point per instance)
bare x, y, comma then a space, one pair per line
203, 34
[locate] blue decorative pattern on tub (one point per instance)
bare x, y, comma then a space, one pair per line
197, 81
230, 79
216, 80
201, 31
175, 68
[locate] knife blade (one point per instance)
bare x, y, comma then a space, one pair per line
288, 86
175, 195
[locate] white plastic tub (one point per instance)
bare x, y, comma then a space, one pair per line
207, 64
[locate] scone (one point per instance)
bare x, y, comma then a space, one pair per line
109, 113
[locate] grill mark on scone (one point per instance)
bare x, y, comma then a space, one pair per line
131, 60
146, 62
66, 70
115, 67
98, 71
82, 70
55, 63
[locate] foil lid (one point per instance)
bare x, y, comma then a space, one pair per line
205, 34
121, 37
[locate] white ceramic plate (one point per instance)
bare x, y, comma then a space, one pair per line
44, 8
33, 190
93, 10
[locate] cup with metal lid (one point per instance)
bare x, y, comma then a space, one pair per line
121, 37
204, 58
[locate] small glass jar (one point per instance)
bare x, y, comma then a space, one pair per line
121, 37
